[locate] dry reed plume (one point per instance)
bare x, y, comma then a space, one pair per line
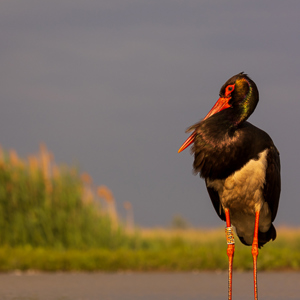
106, 194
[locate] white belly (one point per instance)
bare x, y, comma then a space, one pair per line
242, 194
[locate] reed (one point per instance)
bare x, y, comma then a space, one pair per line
106, 194
160, 250
45, 205
129, 219
51, 219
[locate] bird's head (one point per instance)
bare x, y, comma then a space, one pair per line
239, 96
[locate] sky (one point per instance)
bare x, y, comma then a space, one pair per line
111, 86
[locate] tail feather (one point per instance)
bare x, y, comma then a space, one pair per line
263, 237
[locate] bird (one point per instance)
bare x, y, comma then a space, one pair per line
241, 168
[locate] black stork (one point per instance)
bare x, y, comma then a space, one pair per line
241, 168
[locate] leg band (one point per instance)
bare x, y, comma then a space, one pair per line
229, 235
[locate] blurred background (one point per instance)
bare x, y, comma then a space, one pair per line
110, 87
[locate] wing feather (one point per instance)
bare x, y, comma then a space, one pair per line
272, 185
215, 199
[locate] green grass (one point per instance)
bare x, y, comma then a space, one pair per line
156, 253
44, 205
50, 221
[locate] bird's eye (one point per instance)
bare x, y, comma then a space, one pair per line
229, 89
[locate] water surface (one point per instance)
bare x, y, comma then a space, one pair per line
146, 286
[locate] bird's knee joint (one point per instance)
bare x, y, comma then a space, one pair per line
254, 250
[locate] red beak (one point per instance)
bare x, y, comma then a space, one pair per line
221, 104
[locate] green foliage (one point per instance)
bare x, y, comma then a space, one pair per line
38, 209
156, 254
49, 221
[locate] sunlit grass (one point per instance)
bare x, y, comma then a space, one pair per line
191, 234
51, 219
159, 250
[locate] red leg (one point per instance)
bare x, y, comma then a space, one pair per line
230, 251
255, 253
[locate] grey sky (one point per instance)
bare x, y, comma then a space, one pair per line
112, 85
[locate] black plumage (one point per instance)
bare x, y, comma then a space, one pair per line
241, 168
224, 142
